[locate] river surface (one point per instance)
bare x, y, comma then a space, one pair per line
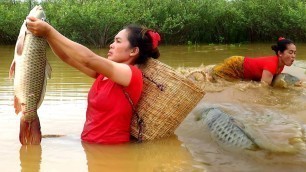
62, 116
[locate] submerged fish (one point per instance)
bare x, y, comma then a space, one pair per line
227, 131
273, 133
285, 80
30, 69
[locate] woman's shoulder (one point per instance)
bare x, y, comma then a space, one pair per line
262, 58
136, 74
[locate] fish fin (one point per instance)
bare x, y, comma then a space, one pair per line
20, 39
237, 123
242, 128
12, 69
17, 105
20, 46
48, 70
283, 83
30, 133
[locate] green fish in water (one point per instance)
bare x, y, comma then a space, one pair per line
285, 80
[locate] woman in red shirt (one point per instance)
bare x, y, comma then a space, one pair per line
258, 69
109, 112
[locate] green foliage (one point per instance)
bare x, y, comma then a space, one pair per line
95, 22
11, 19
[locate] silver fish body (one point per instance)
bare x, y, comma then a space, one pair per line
226, 131
285, 80
29, 82
30, 69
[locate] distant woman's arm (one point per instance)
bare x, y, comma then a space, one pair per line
266, 77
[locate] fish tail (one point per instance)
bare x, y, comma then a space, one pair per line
30, 133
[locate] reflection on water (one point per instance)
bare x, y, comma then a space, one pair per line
161, 155
63, 113
30, 158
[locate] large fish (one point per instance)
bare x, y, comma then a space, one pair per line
284, 80
227, 131
269, 132
31, 70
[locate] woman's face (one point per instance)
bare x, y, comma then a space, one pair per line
120, 50
288, 56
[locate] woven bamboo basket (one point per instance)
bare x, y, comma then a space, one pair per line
166, 100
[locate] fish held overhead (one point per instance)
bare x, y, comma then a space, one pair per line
30, 69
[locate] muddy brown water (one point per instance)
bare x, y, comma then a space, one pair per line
62, 116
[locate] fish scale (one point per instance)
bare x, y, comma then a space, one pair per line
32, 75
226, 130
31, 70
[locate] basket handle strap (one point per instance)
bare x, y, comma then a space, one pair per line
139, 119
159, 86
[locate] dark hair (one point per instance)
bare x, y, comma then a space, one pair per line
281, 45
139, 37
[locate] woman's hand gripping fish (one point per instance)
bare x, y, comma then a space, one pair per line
284, 80
30, 69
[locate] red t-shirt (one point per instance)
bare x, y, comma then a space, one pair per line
253, 67
109, 112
